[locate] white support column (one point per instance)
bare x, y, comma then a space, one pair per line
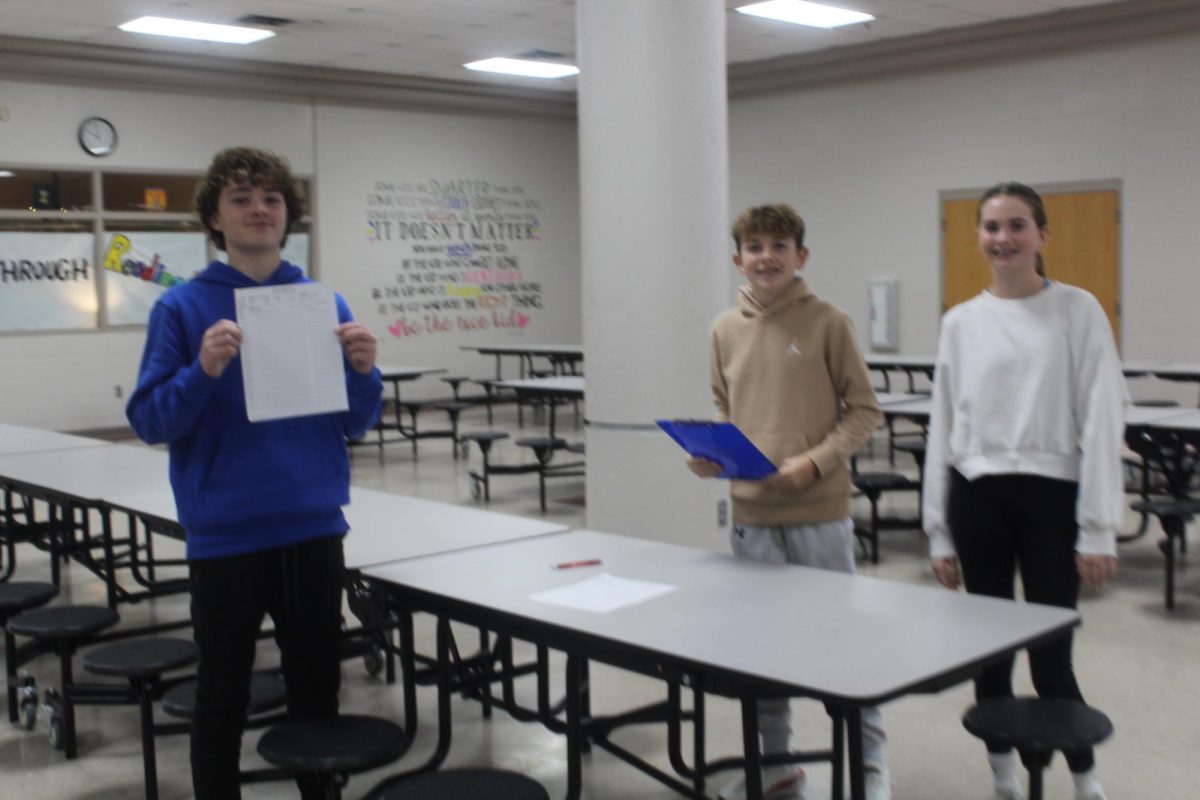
654, 183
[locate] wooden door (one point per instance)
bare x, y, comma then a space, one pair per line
1083, 249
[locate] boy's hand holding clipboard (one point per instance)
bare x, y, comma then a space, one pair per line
721, 443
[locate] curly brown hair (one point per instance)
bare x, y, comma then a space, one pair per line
778, 219
254, 167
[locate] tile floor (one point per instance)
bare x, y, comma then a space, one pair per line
1136, 661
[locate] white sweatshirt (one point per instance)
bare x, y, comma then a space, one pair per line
1030, 386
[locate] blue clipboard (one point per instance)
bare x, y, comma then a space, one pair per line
723, 443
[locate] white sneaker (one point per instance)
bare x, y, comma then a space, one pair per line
878, 782
779, 783
1094, 794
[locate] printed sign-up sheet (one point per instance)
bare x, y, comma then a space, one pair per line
291, 356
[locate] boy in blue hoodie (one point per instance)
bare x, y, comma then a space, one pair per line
260, 502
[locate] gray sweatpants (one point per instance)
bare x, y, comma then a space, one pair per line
824, 545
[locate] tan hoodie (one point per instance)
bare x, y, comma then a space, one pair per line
791, 377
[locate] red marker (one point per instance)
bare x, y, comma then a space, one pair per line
590, 562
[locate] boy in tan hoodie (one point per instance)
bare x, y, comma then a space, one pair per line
787, 371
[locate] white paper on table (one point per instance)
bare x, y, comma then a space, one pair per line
291, 356
602, 593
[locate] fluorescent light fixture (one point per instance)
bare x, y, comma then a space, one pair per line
800, 12
526, 68
187, 29
5, 173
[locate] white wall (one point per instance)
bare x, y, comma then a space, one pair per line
864, 164
69, 381
373, 165
155, 131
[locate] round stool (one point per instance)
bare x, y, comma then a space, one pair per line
543, 448
141, 659
267, 693
21, 595
479, 480
453, 410
1037, 727
142, 662
63, 622
1173, 515
467, 784
332, 748
62, 627
454, 381
16, 597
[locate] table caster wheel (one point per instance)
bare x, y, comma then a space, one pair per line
27, 701
373, 662
28, 711
58, 738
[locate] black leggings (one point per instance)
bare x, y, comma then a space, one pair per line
300, 586
1002, 523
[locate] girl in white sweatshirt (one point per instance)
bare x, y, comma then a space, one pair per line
1023, 468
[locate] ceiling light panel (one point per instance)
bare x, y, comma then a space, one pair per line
191, 29
523, 68
800, 12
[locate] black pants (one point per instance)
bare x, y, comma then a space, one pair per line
300, 586
1002, 523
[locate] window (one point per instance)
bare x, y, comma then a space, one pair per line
44, 192
68, 262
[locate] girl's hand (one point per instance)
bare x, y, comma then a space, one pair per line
1095, 570
945, 569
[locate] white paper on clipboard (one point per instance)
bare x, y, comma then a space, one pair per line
291, 357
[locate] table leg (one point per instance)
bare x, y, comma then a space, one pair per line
110, 572
445, 665
838, 761
408, 666
858, 789
750, 748
698, 728
574, 709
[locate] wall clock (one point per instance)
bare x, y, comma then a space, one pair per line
97, 136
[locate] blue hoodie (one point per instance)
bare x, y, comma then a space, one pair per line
241, 487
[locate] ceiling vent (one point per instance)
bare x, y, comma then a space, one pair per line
536, 55
264, 21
